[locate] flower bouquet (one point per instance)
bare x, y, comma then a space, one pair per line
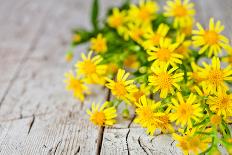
165, 65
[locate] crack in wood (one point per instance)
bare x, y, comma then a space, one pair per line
127, 145
139, 141
78, 150
132, 119
31, 124
172, 142
100, 139
57, 145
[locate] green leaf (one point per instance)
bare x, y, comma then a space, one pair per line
94, 14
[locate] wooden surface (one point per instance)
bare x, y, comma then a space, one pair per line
37, 116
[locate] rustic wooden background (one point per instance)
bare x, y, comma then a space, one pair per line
37, 115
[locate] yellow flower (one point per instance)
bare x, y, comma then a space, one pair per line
147, 114
102, 116
117, 19
191, 142
112, 68
221, 103
76, 86
183, 48
194, 75
143, 13
121, 87
163, 123
131, 61
203, 91
153, 38
99, 44
210, 39
76, 38
165, 53
91, 68
137, 31
215, 120
187, 29
164, 80
215, 77
181, 10
143, 90
69, 56
184, 112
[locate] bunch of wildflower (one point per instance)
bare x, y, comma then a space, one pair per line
154, 62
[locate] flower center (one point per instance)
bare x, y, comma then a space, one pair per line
216, 76
100, 45
164, 54
136, 34
99, 118
116, 21
137, 95
215, 120
182, 49
211, 37
224, 102
184, 145
180, 11
194, 142
147, 113
120, 89
76, 84
144, 13
155, 39
165, 81
185, 111
89, 67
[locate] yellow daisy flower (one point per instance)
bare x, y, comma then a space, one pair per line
202, 90
76, 38
153, 38
221, 103
183, 48
137, 31
215, 77
184, 112
143, 13
131, 62
163, 123
192, 143
69, 56
165, 53
117, 19
143, 90
91, 69
164, 80
76, 86
195, 74
121, 87
98, 44
210, 40
181, 10
146, 113
187, 29
102, 116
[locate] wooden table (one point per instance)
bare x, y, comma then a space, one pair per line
37, 115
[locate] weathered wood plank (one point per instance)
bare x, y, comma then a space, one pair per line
20, 26
135, 141
49, 134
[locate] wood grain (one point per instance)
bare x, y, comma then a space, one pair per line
37, 116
